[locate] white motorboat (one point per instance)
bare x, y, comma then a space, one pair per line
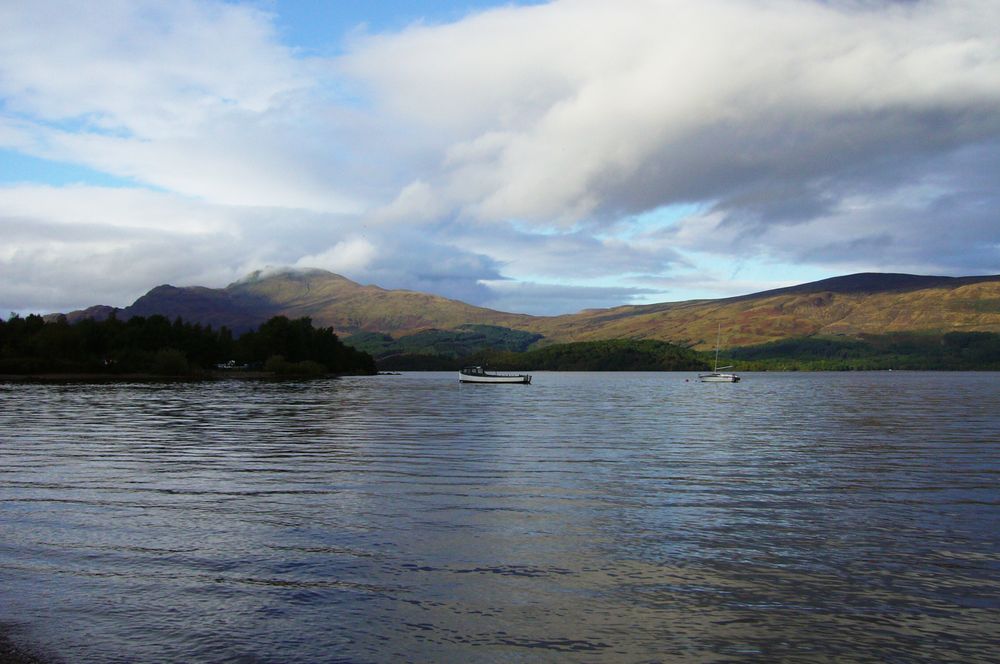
717, 375
481, 375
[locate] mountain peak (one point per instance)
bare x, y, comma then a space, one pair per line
873, 282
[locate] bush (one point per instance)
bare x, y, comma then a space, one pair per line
170, 362
278, 365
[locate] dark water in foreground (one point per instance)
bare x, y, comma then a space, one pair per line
587, 517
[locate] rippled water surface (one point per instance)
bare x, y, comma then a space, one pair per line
587, 517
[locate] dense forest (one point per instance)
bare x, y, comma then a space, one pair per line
460, 342
903, 350
155, 345
610, 355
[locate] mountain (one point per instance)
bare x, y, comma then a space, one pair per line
329, 299
348, 307
209, 306
868, 303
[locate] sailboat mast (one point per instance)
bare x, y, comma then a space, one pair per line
718, 338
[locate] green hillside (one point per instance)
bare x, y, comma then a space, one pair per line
901, 350
460, 342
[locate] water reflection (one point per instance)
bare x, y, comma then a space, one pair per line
589, 517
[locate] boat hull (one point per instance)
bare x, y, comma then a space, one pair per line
719, 378
512, 380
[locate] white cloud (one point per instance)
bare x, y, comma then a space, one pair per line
76, 246
197, 98
351, 255
117, 208
147, 68
578, 108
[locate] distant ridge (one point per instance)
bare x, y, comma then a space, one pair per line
330, 299
209, 306
851, 305
873, 282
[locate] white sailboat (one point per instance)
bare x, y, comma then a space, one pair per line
717, 376
481, 375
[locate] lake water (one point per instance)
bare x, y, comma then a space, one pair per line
632, 517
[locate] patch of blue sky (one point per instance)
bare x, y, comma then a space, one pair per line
657, 219
323, 28
765, 272
90, 123
84, 123
625, 282
623, 229
720, 276
716, 277
19, 168
529, 228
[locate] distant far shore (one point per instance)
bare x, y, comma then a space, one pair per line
151, 378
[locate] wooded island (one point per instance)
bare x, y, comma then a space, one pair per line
154, 345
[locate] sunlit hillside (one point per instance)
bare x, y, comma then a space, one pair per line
850, 305
756, 319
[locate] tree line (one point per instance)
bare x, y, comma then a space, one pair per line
902, 350
607, 355
157, 345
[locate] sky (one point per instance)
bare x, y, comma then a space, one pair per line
538, 157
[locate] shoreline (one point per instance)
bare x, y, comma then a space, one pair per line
127, 377
13, 653
157, 378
